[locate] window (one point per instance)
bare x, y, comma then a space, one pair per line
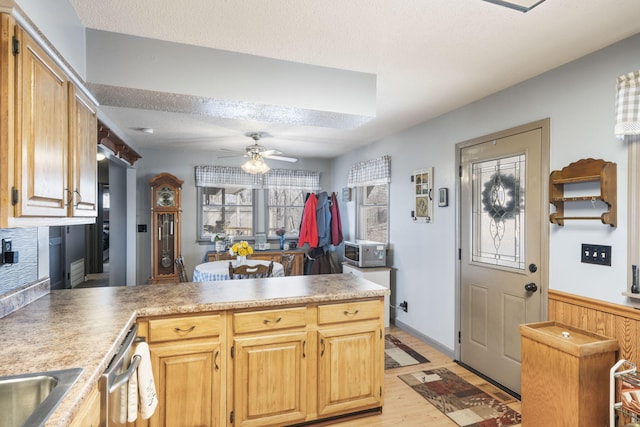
371, 179
372, 213
226, 210
285, 206
627, 128
235, 203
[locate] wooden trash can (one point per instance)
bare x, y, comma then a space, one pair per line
565, 375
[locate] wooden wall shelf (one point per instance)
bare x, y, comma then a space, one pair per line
585, 170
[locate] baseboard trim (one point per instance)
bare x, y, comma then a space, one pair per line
435, 344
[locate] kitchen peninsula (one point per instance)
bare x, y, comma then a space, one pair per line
325, 331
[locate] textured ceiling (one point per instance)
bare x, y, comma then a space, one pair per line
428, 56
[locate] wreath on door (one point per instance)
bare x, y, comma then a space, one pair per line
499, 197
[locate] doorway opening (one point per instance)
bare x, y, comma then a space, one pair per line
97, 235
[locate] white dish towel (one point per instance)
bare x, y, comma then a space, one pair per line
142, 387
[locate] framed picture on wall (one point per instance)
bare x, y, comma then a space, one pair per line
423, 195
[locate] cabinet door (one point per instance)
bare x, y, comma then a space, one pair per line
187, 375
83, 133
270, 379
41, 134
89, 413
350, 368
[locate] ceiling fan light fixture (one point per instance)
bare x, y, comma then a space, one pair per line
255, 165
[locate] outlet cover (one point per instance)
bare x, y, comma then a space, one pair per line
596, 254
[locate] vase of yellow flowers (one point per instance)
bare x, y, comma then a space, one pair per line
241, 250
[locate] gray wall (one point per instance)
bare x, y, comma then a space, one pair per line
58, 21
181, 163
579, 100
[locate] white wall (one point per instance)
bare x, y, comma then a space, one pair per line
579, 100
181, 163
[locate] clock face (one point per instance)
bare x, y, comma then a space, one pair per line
166, 196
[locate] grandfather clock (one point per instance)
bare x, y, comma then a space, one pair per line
165, 226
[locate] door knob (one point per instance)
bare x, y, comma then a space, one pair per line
530, 287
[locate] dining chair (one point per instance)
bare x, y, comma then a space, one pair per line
250, 271
287, 261
182, 271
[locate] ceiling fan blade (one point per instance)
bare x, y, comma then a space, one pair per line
271, 153
229, 150
282, 158
234, 155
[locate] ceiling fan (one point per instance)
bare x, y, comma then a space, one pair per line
257, 153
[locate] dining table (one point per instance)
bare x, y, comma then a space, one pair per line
219, 270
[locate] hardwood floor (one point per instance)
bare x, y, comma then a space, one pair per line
403, 406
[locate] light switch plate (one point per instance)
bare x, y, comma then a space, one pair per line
596, 254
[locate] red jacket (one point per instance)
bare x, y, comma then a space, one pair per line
336, 222
309, 226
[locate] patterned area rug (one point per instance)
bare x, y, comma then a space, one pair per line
397, 353
461, 401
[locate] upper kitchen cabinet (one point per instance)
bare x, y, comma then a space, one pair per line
83, 170
48, 149
42, 133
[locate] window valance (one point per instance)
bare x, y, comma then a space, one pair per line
229, 176
290, 178
225, 176
370, 172
628, 105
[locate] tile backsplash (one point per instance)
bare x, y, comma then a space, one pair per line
25, 242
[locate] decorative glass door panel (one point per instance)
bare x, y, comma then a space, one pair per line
166, 243
498, 220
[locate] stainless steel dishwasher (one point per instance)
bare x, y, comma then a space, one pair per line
113, 383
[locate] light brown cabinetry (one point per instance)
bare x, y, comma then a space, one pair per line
269, 367
89, 413
565, 375
83, 169
48, 140
298, 264
41, 132
350, 357
187, 358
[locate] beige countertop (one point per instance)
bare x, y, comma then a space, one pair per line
82, 328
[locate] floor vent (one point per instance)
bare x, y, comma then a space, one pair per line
76, 273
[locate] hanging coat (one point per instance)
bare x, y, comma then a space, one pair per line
309, 226
323, 218
336, 222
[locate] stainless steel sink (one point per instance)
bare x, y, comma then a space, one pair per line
28, 400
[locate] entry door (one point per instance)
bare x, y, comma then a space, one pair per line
503, 246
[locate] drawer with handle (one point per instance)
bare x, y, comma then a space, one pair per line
186, 327
267, 320
350, 311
